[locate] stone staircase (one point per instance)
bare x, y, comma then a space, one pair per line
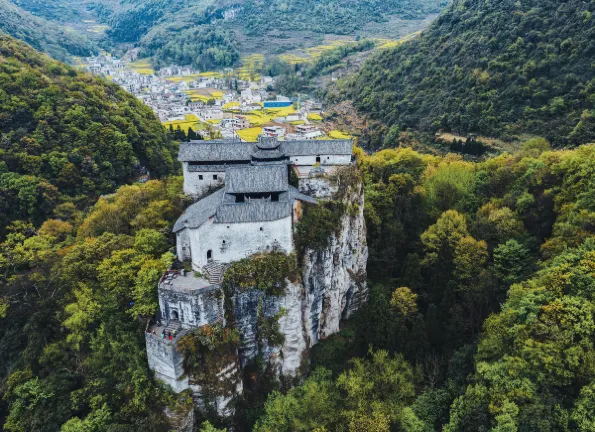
172, 325
214, 271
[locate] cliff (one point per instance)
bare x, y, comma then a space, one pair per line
330, 286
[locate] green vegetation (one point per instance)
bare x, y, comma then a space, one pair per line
266, 272
300, 77
207, 34
76, 293
369, 396
494, 68
201, 47
41, 34
482, 274
318, 224
207, 351
67, 138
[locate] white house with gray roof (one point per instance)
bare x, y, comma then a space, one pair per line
254, 212
205, 162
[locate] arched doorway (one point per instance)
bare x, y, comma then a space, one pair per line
317, 159
209, 255
174, 315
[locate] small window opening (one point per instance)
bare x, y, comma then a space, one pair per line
214, 176
200, 177
261, 228
317, 159
209, 254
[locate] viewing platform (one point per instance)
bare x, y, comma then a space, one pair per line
184, 281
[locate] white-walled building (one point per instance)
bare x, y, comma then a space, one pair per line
254, 212
205, 162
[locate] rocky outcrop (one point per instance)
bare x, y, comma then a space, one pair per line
332, 287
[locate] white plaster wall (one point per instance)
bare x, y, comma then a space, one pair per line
183, 245
241, 240
194, 186
324, 160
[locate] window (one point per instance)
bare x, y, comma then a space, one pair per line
317, 159
261, 228
223, 241
209, 254
200, 177
214, 176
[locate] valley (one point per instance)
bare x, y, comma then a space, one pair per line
297, 216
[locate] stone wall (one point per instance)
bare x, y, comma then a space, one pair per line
194, 308
166, 362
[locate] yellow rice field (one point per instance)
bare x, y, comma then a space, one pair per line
338, 135
191, 121
250, 134
314, 117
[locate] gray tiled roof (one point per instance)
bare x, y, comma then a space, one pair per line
197, 213
268, 154
317, 147
255, 211
256, 179
219, 150
223, 150
294, 194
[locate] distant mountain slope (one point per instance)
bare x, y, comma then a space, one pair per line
494, 67
67, 137
174, 29
41, 34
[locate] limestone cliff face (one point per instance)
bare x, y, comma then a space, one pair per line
332, 287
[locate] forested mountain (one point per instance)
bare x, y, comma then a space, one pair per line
41, 34
185, 31
498, 68
484, 281
66, 137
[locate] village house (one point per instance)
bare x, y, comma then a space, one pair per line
204, 163
273, 131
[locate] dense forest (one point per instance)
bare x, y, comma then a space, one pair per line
481, 315
211, 32
497, 68
66, 138
43, 35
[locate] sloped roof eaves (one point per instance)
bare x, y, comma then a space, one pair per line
256, 179
318, 147
265, 211
214, 151
198, 213
294, 194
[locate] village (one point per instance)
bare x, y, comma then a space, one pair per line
230, 104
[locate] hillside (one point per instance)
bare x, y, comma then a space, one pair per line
67, 137
41, 34
497, 68
173, 30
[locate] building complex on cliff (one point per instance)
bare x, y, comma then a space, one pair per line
245, 205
